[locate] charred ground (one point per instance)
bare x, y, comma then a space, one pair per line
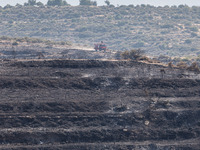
96, 104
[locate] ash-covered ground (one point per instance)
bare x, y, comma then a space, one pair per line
96, 104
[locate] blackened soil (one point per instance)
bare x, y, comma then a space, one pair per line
92, 104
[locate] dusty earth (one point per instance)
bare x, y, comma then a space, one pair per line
98, 105
28, 50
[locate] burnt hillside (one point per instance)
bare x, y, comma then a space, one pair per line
93, 104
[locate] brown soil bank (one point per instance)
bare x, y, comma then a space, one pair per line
92, 104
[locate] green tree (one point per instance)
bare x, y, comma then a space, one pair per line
88, 2
7, 6
18, 5
39, 4
30, 3
107, 2
57, 3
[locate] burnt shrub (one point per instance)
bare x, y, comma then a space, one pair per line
194, 67
182, 65
134, 54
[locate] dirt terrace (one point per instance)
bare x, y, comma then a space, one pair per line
93, 104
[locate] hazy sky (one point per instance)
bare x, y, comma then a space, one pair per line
115, 2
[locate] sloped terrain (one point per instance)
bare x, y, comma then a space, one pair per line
171, 31
31, 48
93, 104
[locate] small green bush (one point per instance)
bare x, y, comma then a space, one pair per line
14, 43
188, 41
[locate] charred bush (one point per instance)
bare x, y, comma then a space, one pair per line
194, 67
182, 65
134, 54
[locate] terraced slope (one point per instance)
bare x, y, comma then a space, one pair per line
91, 104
